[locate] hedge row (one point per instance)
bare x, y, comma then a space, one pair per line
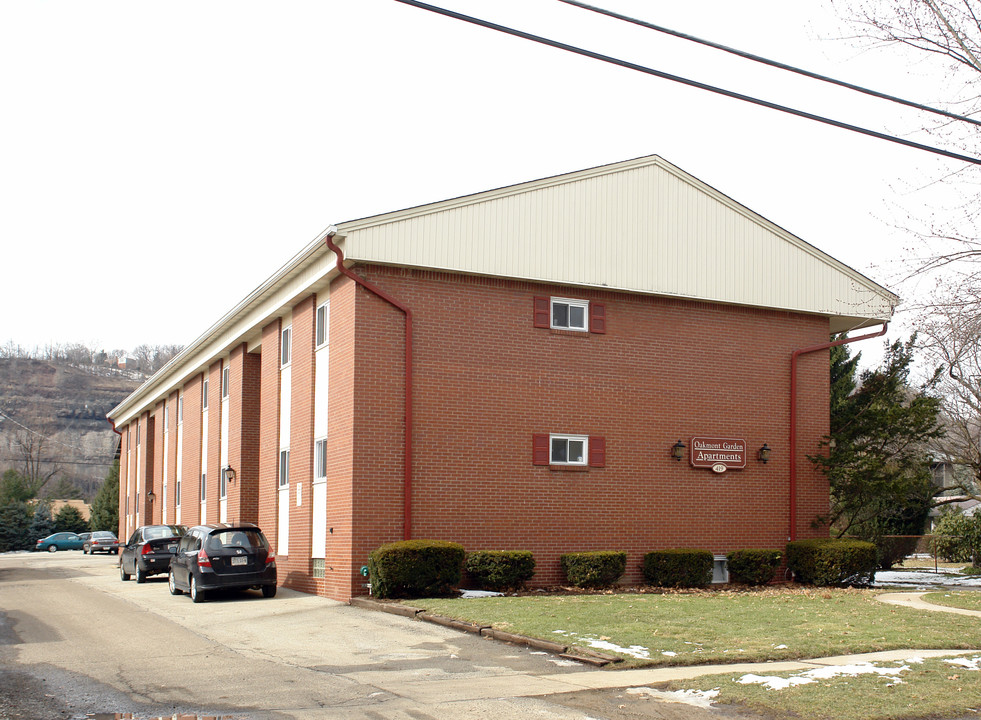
427, 568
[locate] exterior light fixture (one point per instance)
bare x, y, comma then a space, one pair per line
678, 450
229, 474
151, 496
764, 453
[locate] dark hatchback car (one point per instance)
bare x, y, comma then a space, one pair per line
223, 557
149, 551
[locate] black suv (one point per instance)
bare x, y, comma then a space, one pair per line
223, 556
148, 551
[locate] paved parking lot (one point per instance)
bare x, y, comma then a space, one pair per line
96, 644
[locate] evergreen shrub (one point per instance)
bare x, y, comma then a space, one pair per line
679, 567
825, 561
501, 569
753, 567
415, 568
599, 568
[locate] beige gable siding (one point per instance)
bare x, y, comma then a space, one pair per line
641, 226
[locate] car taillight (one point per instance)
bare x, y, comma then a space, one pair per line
203, 559
146, 550
271, 557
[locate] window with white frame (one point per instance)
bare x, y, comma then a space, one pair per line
225, 379
204, 486
568, 449
320, 460
284, 468
285, 348
569, 314
166, 418
204, 395
222, 485
323, 320
180, 409
177, 492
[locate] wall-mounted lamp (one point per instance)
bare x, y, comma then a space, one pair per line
832, 444
229, 474
151, 496
763, 453
678, 450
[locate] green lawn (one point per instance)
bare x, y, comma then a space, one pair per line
718, 626
967, 599
934, 688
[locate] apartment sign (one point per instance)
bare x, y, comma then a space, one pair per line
718, 454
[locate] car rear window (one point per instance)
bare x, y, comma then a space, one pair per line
164, 531
103, 535
248, 539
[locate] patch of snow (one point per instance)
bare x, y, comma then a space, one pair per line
698, 698
562, 662
779, 647
928, 578
668, 653
830, 672
479, 594
969, 663
637, 651
915, 660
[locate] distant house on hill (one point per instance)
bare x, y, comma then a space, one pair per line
80, 505
128, 363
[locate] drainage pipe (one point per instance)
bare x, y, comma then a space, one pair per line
792, 534
371, 287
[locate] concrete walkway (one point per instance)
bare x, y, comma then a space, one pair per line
915, 600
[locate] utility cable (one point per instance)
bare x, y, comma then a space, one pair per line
691, 83
771, 63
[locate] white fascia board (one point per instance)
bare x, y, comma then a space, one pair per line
240, 324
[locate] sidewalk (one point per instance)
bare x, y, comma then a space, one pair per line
915, 600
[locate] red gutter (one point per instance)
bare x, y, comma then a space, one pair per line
792, 535
371, 287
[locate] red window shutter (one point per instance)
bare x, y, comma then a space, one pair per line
597, 451
597, 317
541, 312
539, 449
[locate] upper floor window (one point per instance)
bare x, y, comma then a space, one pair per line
323, 319
569, 314
137, 435
560, 313
225, 379
180, 409
560, 449
285, 347
568, 449
284, 468
166, 417
320, 460
204, 395
204, 486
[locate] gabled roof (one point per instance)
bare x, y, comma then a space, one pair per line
642, 226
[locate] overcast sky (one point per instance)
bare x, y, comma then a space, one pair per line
158, 161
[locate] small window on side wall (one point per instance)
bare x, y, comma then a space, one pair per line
323, 326
225, 381
562, 450
285, 347
559, 313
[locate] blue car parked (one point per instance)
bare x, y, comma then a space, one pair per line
59, 541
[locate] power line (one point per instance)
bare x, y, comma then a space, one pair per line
771, 63
4, 416
691, 83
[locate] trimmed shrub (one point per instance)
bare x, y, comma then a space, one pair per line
957, 537
679, 567
501, 569
825, 561
415, 568
599, 568
753, 567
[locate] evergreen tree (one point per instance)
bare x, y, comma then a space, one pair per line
878, 465
14, 488
42, 524
105, 506
69, 519
15, 522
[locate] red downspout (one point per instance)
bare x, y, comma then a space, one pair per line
792, 535
407, 482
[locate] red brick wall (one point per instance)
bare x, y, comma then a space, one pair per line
299, 568
486, 380
191, 450
269, 435
243, 435
214, 440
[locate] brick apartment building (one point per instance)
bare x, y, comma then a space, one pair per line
510, 370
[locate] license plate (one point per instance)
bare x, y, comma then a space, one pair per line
172, 548
239, 560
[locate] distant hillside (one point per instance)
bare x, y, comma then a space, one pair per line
66, 406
